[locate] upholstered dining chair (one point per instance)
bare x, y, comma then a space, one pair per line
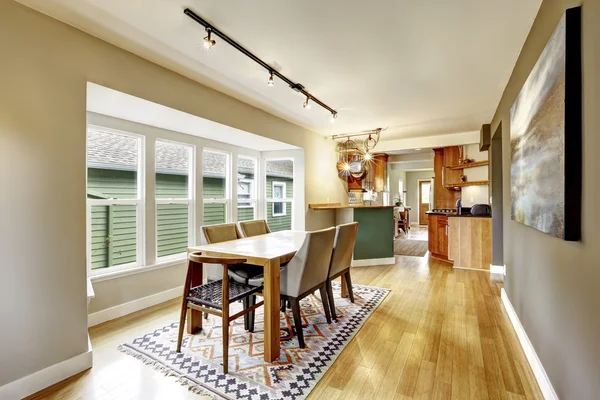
343, 248
214, 297
305, 273
254, 228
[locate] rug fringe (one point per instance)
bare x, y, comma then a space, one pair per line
166, 371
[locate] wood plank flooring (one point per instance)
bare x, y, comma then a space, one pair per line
440, 334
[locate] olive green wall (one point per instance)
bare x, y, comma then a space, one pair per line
45, 67
553, 284
375, 232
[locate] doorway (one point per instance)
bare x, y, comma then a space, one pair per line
424, 200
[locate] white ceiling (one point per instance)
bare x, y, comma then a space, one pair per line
102, 100
418, 67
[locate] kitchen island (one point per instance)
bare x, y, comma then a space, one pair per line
375, 239
464, 240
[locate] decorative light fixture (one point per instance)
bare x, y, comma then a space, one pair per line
361, 151
271, 82
306, 104
209, 43
333, 116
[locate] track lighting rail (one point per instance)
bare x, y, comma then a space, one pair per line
296, 86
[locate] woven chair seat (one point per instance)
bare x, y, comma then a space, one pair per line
211, 294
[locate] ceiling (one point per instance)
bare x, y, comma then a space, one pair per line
420, 68
102, 100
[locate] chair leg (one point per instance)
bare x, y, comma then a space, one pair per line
251, 314
245, 302
283, 305
330, 299
298, 321
181, 324
323, 291
349, 285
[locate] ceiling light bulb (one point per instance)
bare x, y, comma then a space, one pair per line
208, 42
271, 82
306, 104
346, 167
367, 156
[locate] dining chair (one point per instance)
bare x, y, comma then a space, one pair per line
254, 228
306, 272
214, 297
343, 248
240, 273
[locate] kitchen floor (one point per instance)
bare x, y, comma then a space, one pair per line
414, 233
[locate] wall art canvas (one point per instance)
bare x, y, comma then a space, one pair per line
545, 137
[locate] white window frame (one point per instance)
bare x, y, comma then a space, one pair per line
228, 183
139, 202
190, 200
281, 200
253, 199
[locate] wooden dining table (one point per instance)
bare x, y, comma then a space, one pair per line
269, 251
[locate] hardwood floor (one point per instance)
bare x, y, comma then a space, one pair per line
415, 233
440, 334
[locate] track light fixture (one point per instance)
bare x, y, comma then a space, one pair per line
334, 116
209, 43
271, 82
306, 104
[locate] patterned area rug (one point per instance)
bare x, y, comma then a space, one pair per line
293, 376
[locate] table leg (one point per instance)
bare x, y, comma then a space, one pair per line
344, 287
272, 316
194, 317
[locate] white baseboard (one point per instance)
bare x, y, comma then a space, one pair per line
133, 306
373, 261
40, 380
497, 269
535, 363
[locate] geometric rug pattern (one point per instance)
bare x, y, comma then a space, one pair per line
292, 376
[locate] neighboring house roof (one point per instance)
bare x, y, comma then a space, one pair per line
109, 150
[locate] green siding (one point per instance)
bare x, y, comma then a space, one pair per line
171, 219
245, 214
214, 188
284, 222
171, 186
113, 183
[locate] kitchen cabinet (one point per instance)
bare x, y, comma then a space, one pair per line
379, 170
470, 242
438, 235
445, 157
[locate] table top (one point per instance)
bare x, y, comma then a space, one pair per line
257, 248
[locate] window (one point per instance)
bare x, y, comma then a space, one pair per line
279, 175
174, 198
246, 188
425, 191
278, 199
215, 183
114, 199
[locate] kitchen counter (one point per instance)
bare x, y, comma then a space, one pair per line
463, 215
338, 206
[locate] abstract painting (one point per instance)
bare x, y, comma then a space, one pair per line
545, 137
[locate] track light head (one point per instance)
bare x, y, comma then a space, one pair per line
271, 81
333, 116
208, 42
306, 104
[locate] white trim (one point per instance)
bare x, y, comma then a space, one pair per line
137, 270
373, 261
133, 306
49, 376
497, 269
279, 200
535, 363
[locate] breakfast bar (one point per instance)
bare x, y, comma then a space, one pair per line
375, 240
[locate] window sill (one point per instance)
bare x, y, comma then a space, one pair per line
137, 270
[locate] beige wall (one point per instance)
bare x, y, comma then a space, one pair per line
553, 284
43, 74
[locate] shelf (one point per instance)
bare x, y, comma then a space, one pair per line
463, 184
469, 165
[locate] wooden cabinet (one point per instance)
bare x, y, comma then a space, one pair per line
445, 157
470, 242
379, 170
438, 235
